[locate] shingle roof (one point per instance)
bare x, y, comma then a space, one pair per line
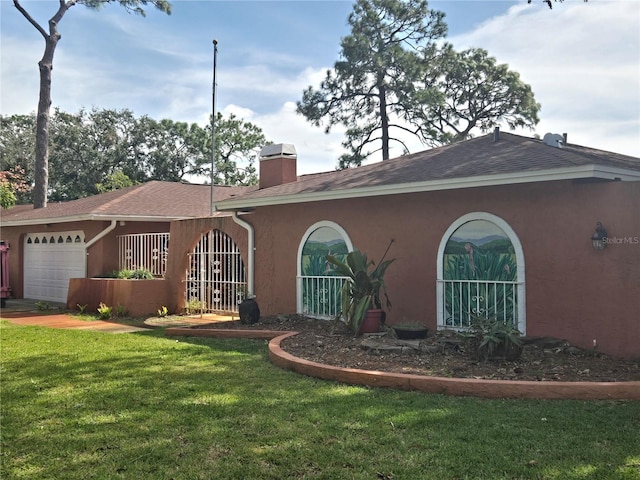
511, 155
151, 200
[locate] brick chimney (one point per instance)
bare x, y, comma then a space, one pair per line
277, 165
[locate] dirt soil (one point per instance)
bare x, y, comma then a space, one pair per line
444, 354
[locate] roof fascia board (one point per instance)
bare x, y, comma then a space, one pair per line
614, 173
84, 218
567, 173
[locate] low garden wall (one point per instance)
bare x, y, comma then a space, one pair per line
447, 386
136, 297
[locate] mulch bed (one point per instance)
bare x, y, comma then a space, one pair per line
443, 354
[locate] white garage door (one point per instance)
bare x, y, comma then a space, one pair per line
50, 260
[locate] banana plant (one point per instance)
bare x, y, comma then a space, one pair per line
365, 283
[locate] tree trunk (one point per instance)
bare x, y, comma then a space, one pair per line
385, 122
42, 125
44, 102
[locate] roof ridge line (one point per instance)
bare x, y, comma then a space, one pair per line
119, 198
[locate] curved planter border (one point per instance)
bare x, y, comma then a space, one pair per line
403, 381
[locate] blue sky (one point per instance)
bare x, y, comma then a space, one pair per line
581, 59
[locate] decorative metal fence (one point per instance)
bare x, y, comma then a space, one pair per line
321, 295
465, 298
216, 278
144, 251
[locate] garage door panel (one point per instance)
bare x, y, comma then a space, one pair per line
50, 260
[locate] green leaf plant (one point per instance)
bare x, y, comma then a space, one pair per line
492, 338
104, 311
365, 282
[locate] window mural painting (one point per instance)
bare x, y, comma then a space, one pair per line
320, 284
480, 275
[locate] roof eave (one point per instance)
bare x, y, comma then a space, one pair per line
92, 217
565, 173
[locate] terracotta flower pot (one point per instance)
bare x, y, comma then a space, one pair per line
372, 321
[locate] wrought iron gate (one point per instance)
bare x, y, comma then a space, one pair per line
216, 278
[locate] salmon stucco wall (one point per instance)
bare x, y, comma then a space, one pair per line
135, 297
102, 257
572, 291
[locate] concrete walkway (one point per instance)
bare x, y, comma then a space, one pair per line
68, 322
26, 312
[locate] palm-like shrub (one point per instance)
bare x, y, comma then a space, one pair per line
362, 291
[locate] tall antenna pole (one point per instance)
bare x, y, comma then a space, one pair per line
213, 123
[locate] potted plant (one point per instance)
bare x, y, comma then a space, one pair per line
361, 306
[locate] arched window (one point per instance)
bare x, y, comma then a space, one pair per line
318, 285
480, 272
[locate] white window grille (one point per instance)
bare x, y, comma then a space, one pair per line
321, 295
215, 278
462, 299
146, 251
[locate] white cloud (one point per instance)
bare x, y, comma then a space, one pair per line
317, 151
263, 82
244, 113
280, 123
581, 60
19, 90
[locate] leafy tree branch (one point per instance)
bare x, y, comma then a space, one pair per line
99, 150
394, 76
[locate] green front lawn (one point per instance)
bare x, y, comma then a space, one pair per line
81, 405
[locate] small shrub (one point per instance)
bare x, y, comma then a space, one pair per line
137, 274
104, 311
493, 338
194, 306
43, 306
120, 311
163, 311
142, 274
123, 274
81, 308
